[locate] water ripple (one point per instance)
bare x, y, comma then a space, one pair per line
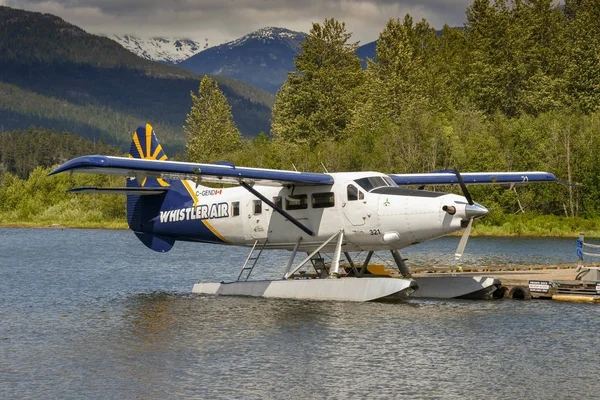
95, 315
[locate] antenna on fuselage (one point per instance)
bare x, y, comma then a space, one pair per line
323, 165
295, 169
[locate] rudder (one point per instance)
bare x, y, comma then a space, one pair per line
143, 210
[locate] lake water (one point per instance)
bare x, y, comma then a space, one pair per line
93, 314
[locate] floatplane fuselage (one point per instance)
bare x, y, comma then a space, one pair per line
373, 212
336, 213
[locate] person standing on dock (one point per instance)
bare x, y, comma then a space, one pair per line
579, 250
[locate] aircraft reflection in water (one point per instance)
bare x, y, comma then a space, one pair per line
315, 213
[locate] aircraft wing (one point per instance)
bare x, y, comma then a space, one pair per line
473, 178
221, 173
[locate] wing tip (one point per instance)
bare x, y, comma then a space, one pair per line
82, 162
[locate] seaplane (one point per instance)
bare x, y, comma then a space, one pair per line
339, 220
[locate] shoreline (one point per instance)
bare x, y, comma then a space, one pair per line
22, 225
122, 225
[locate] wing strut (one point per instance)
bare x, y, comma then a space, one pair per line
276, 208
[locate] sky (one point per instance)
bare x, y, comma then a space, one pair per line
220, 21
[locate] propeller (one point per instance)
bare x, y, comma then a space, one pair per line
463, 187
472, 211
463, 240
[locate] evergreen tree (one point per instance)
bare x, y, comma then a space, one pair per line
404, 72
583, 72
210, 129
404, 88
449, 68
22, 151
515, 56
314, 103
542, 23
396, 75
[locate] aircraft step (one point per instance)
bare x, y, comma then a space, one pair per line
318, 264
252, 260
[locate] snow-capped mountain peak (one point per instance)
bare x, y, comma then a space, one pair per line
168, 50
266, 35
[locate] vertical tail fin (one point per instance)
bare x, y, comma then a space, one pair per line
144, 145
142, 210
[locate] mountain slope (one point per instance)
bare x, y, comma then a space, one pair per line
167, 50
262, 58
96, 88
367, 51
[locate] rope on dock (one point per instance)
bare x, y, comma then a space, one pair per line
594, 246
591, 254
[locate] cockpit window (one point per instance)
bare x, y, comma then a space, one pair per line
400, 191
354, 194
374, 182
390, 181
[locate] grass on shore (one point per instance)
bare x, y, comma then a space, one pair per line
75, 219
75, 225
530, 225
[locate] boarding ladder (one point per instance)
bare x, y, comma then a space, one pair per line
252, 259
319, 265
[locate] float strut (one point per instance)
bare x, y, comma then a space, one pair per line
292, 257
402, 267
334, 271
307, 259
365, 264
354, 270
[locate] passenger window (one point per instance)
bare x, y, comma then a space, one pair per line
296, 202
257, 206
235, 208
277, 201
323, 200
352, 193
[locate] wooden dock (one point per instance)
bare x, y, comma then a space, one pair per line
554, 281
498, 268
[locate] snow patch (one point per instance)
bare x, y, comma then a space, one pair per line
169, 50
266, 35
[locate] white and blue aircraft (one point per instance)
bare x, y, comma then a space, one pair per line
315, 213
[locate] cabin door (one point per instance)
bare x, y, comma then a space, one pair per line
257, 219
354, 204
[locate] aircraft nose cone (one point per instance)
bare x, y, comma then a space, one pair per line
475, 211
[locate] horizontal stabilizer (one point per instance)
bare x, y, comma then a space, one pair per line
157, 243
138, 191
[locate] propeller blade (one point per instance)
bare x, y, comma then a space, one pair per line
463, 241
463, 187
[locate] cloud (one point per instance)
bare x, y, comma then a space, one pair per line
224, 20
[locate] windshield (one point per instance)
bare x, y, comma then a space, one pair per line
374, 182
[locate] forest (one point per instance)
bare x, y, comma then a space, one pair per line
517, 88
